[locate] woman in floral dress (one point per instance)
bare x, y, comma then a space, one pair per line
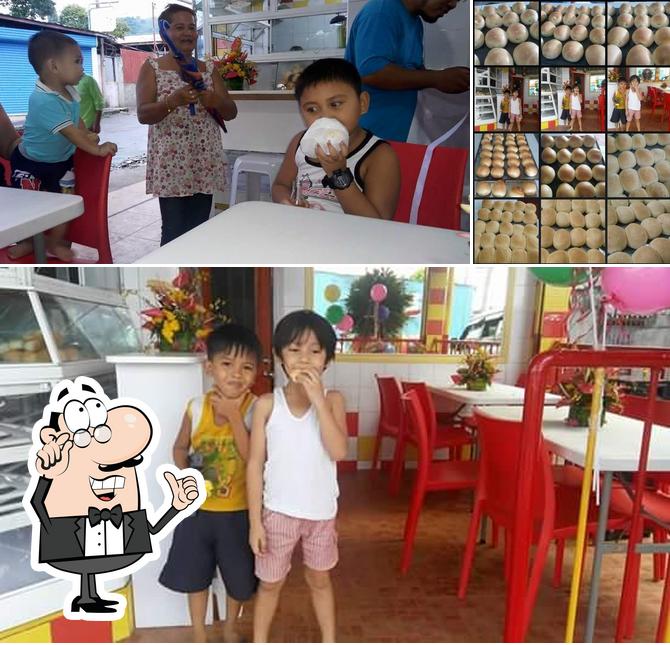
185, 161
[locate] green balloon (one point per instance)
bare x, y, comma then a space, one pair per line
334, 314
560, 276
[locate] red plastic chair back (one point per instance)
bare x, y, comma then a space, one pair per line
500, 443
6, 170
442, 195
89, 229
417, 428
636, 407
391, 413
426, 401
92, 183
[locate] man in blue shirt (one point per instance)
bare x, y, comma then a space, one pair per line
386, 46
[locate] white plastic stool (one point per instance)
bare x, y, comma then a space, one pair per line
255, 164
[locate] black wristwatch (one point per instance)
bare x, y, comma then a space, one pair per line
340, 179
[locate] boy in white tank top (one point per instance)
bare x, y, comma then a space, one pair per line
298, 434
361, 178
633, 103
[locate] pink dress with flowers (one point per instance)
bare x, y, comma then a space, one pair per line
185, 154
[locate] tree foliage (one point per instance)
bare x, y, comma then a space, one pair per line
74, 15
361, 307
122, 29
44, 9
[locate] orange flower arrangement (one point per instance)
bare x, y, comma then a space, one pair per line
178, 321
234, 64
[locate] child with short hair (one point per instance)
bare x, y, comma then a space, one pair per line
53, 130
214, 439
298, 434
619, 99
504, 110
575, 108
362, 178
633, 103
565, 104
515, 110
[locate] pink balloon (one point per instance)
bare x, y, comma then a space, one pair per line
636, 290
378, 292
346, 324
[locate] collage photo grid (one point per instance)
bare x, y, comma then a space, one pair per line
571, 132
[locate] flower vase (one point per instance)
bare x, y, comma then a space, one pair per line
478, 385
578, 416
235, 84
182, 342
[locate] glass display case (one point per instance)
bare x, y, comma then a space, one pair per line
277, 34
49, 330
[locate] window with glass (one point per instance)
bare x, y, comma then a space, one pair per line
410, 309
595, 81
533, 87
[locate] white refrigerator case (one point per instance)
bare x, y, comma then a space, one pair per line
49, 330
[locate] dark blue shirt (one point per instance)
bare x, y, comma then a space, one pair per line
383, 33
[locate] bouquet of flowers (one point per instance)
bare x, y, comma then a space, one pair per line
234, 67
477, 374
178, 321
578, 394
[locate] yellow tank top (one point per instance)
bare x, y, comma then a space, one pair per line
566, 101
618, 100
504, 106
222, 467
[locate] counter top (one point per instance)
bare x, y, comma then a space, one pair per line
165, 357
262, 95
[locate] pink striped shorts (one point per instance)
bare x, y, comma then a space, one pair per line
282, 532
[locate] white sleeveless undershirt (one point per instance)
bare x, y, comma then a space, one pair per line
633, 101
300, 478
311, 174
575, 102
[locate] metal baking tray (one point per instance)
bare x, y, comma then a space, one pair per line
509, 181
627, 47
484, 50
636, 167
560, 61
556, 165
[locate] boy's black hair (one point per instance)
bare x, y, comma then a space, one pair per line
173, 8
634, 77
292, 326
233, 339
505, 91
46, 44
327, 70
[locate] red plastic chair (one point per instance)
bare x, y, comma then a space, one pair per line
430, 475
6, 170
391, 416
442, 195
553, 511
452, 435
445, 429
601, 111
90, 229
655, 99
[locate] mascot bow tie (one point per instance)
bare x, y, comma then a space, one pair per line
189, 71
115, 515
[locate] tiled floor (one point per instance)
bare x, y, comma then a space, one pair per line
376, 603
590, 123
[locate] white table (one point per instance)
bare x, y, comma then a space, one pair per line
28, 213
495, 394
265, 233
617, 449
